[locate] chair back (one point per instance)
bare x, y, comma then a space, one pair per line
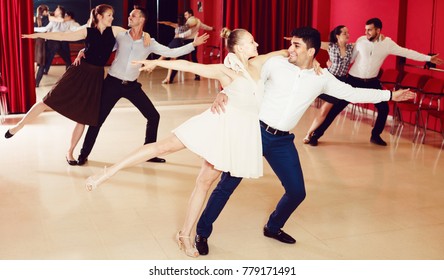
433, 85
432, 94
389, 79
413, 81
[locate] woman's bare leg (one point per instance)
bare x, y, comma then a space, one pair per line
205, 179
75, 137
33, 113
163, 147
325, 108
168, 76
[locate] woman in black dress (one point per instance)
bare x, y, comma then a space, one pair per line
77, 94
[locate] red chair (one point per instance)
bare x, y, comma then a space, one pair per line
414, 82
440, 116
431, 104
389, 79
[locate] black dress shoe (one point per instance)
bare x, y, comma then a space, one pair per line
156, 159
280, 236
82, 160
71, 162
8, 134
201, 244
377, 140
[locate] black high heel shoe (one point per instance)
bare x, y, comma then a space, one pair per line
71, 162
8, 134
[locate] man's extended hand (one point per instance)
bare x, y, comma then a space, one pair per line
436, 60
200, 40
402, 95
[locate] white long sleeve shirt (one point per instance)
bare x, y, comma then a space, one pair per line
53, 26
129, 50
290, 90
369, 56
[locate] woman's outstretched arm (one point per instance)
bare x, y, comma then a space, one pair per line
211, 71
59, 36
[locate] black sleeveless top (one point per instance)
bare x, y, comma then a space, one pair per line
99, 46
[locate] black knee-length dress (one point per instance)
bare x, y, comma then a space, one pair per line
77, 94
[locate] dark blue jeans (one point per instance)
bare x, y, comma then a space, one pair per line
283, 158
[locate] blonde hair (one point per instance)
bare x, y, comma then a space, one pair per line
232, 37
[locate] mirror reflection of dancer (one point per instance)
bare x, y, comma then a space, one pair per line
41, 20
195, 25
228, 142
180, 31
76, 95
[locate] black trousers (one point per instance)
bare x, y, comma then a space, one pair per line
61, 48
382, 107
112, 91
193, 58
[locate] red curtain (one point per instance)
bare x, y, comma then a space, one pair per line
16, 54
269, 21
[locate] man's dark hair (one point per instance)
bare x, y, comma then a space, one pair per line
142, 11
310, 36
375, 21
190, 11
70, 14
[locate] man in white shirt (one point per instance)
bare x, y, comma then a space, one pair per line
71, 21
194, 25
121, 80
291, 85
369, 53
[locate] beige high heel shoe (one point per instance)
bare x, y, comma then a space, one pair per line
94, 181
190, 252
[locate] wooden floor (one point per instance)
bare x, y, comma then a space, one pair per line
364, 202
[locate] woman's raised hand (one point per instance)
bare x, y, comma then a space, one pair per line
30, 36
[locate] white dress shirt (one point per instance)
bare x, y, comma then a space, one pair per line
369, 56
74, 25
290, 90
53, 26
129, 50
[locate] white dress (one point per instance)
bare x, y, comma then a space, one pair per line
230, 141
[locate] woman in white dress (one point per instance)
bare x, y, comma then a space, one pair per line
228, 142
